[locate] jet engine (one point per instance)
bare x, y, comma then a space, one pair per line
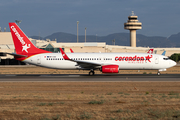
110, 69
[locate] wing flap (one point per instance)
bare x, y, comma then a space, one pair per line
86, 64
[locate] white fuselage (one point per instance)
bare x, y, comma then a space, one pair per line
123, 60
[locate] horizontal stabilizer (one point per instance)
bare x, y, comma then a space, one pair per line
14, 54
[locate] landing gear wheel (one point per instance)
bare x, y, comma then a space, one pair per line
158, 73
91, 73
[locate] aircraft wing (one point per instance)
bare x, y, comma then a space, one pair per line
83, 64
89, 65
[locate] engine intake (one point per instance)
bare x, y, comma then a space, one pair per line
110, 69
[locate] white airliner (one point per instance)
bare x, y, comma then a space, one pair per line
105, 62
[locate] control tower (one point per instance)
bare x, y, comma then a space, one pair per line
133, 24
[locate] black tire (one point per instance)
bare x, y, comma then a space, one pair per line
91, 73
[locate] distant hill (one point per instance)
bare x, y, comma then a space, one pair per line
62, 37
37, 37
175, 39
122, 39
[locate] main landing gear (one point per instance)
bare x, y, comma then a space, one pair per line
91, 72
158, 73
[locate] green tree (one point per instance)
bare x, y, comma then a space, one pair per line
175, 57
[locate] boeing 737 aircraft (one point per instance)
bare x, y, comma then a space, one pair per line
105, 62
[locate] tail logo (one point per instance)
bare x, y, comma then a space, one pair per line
25, 47
151, 52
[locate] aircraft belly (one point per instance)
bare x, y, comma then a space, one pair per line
60, 64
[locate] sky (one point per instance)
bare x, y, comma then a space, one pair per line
100, 17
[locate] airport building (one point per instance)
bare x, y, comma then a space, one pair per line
7, 45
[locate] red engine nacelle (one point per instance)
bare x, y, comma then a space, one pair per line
110, 69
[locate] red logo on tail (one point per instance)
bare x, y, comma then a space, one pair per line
25, 47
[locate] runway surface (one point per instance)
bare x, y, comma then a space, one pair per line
87, 78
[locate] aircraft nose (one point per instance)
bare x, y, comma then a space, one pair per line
173, 63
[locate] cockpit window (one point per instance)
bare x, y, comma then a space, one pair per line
166, 58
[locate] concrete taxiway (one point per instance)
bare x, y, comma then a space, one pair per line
87, 78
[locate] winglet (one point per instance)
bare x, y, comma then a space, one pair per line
164, 53
150, 51
71, 50
64, 54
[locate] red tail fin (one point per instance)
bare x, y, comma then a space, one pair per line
64, 54
150, 51
71, 50
22, 44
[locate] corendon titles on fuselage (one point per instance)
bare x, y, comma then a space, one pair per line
135, 59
